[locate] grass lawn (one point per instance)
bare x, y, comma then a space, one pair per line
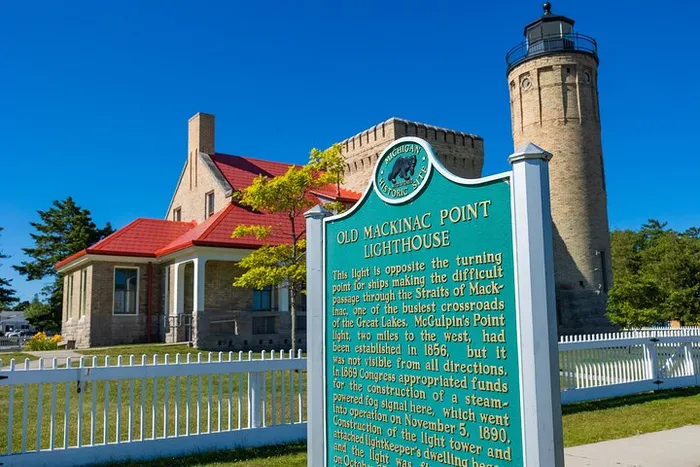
590, 422
18, 356
288, 455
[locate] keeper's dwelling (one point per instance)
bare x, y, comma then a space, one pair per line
170, 280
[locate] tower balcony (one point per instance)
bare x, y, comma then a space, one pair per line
572, 42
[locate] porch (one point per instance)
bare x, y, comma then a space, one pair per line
204, 308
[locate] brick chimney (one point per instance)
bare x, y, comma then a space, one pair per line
200, 138
200, 134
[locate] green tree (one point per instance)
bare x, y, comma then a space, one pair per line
64, 229
289, 195
7, 293
657, 276
40, 314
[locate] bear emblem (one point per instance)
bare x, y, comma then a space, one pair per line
403, 167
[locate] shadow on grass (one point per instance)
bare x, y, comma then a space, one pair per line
591, 406
228, 456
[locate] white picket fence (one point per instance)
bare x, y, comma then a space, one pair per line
94, 411
628, 362
99, 410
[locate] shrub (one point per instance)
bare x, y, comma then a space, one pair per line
40, 341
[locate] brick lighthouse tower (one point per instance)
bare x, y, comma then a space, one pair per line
552, 78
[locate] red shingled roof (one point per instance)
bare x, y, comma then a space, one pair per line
141, 238
240, 171
154, 238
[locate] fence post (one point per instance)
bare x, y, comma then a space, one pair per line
254, 396
652, 361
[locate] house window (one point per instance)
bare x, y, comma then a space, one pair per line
69, 291
262, 299
264, 325
301, 323
126, 291
301, 302
83, 293
177, 214
208, 205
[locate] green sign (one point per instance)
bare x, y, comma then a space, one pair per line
421, 352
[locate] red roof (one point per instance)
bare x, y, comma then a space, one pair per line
240, 171
141, 238
154, 238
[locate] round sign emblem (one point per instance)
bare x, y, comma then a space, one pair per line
402, 170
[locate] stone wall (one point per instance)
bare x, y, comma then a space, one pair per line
554, 104
462, 153
75, 327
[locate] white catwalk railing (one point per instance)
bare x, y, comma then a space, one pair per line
101, 409
629, 362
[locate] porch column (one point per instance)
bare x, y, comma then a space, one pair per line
199, 284
179, 292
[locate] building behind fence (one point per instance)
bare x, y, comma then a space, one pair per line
99, 409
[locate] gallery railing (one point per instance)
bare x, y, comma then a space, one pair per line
573, 42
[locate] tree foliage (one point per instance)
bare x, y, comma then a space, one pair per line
7, 293
289, 195
657, 276
64, 229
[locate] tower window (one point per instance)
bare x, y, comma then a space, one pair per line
525, 84
586, 77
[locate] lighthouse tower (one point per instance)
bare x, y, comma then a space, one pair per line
552, 78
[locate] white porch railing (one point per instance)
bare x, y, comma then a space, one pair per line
629, 362
94, 411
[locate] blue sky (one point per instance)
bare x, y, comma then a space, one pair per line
96, 95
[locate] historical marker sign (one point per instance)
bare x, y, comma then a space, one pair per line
422, 352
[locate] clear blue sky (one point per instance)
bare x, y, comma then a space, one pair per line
96, 95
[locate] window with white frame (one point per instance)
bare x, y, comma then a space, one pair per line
208, 205
262, 299
126, 290
83, 293
177, 214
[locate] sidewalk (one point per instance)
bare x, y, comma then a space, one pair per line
673, 448
47, 355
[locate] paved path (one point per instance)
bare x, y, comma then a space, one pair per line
672, 448
47, 355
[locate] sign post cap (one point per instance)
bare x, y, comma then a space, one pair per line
529, 151
317, 212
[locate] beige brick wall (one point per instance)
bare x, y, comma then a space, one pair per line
462, 153
99, 327
554, 104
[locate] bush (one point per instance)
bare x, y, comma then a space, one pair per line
40, 341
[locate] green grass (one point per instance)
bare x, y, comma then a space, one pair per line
591, 422
18, 356
287, 455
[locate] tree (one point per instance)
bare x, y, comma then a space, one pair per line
657, 276
64, 229
7, 293
40, 314
289, 195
